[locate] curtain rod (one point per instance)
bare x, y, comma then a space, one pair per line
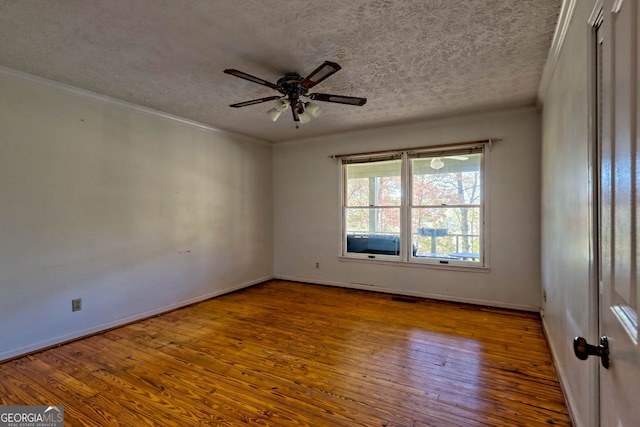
450, 144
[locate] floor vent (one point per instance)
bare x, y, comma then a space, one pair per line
404, 299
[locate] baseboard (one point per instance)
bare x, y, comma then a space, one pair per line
63, 339
428, 295
566, 392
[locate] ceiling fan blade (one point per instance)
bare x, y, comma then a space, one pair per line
319, 74
251, 78
255, 101
340, 99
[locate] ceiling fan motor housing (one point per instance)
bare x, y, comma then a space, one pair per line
291, 87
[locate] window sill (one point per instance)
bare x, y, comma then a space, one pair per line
449, 267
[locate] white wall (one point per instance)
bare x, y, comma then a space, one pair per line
571, 309
307, 214
132, 212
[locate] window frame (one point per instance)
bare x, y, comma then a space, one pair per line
406, 256
371, 159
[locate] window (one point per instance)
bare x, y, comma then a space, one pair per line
373, 206
415, 206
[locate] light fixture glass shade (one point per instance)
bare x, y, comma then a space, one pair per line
281, 104
304, 117
313, 109
436, 163
274, 113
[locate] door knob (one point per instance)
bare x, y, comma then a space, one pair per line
583, 350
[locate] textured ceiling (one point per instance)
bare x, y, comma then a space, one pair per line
412, 59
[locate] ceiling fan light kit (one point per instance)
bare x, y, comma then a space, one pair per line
436, 163
274, 114
313, 108
294, 89
304, 117
278, 109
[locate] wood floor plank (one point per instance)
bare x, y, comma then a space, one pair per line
291, 354
237, 377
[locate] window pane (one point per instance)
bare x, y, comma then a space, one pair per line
373, 231
453, 180
374, 184
450, 233
373, 221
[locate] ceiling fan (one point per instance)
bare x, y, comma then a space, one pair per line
294, 88
437, 163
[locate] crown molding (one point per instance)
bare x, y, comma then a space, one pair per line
566, 13
107, 100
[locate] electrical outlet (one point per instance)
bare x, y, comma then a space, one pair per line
317, 265
76, 304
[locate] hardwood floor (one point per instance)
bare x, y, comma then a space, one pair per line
290, 354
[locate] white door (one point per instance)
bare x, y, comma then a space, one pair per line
620, 214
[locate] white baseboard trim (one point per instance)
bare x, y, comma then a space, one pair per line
568, 397
427, 295
21, 351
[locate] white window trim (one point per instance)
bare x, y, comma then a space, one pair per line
405, 257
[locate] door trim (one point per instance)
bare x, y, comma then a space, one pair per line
594, 111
